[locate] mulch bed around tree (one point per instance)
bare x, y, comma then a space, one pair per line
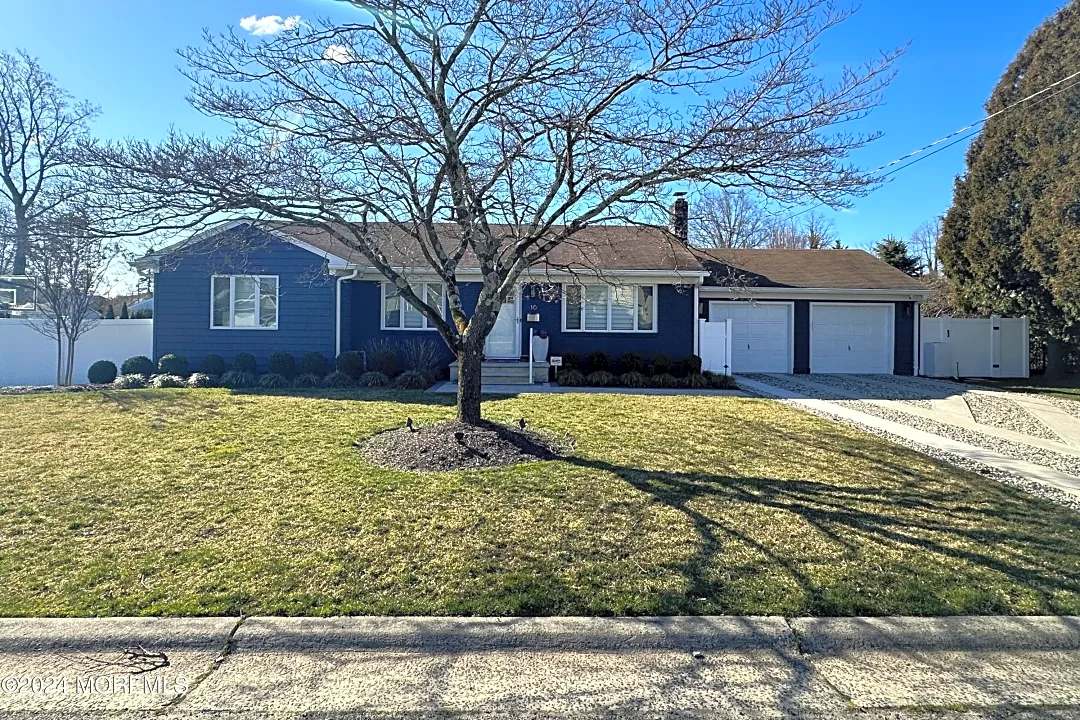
452, 445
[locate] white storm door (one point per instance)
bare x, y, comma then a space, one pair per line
502, 343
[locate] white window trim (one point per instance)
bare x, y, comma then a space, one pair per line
258, 303
402, 328
655, 312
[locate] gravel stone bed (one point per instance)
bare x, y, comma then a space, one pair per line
1004, 413
1030, 486
793, 386
1021, 451
874, 389
448, 446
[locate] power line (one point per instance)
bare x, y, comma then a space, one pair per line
952, 135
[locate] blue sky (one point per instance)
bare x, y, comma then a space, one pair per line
120, 54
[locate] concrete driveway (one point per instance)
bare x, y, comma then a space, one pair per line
1035, 440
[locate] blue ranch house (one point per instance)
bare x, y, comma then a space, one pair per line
262, 288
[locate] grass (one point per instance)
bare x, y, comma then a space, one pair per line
182, 502
1067, 388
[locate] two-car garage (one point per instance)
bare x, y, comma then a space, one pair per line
805, 336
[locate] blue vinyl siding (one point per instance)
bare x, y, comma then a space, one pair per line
306, 301
674, 336
674, 327
365, 301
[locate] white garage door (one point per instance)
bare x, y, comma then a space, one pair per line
851, 338
760, 334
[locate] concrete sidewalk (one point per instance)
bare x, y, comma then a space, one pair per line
541, 667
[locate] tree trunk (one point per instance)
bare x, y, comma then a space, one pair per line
59, 359
1055, 360
22, 242
470, 362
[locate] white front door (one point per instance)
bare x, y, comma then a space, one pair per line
851, 338
502, 343
760, 335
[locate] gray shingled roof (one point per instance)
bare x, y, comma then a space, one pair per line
597, 247
804, 269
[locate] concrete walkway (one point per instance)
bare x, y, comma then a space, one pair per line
1069, 484
716, 667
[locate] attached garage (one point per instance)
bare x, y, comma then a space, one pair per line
760, 334
813, 311
851, 338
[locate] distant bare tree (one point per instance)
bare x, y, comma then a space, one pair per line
729, 219
39, 123
519, 121
69, 261
7, 240
924, 242
820, 231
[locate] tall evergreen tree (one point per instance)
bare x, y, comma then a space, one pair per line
896, 253
109, 313
1011, 241
124, 311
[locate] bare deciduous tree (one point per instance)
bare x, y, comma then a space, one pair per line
924, 242
729, 219
820, 231
69, 261
518, 121
39, 122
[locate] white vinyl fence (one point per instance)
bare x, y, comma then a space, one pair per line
993, 347
714, 345
29, 358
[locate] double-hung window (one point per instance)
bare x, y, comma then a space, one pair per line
397, 314
609, 308
244, 302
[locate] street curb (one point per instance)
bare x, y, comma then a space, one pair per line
941, 634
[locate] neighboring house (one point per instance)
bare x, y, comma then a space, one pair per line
618, 289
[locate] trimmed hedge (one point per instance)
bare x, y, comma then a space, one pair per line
102, 372
631, 363
384, 360
313, 363
692, 365
138, 365
282, 363
212, 365
173, 365
245, 363
166, 380
662, 364
598, 362
351, 363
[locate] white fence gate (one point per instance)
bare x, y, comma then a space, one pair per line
29, 358
993, 347
714, 345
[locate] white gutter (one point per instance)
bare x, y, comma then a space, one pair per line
337, 334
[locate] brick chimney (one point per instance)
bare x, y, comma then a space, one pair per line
680, 217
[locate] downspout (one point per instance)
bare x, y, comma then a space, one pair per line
697, 320
337, 325
917, 358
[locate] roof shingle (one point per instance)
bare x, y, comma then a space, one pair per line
804, 269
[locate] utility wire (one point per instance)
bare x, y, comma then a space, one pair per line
952, 135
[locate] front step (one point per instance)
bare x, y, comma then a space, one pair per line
506, 373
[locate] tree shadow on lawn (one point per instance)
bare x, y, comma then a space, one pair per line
914, 549
408, 397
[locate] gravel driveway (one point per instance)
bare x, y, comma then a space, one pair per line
894, 398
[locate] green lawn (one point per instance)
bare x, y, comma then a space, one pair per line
177, 502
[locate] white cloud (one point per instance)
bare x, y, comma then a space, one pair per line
269, 24
339, 54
